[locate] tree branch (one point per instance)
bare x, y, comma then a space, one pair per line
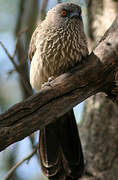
18, 69
43, 9
10, 172
92, 76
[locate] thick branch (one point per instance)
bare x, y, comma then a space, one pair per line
94, 75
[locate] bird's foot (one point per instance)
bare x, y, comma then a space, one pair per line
48, 82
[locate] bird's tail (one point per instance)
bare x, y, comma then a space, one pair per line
60, 149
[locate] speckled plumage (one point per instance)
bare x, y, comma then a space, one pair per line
58, 44
57, 47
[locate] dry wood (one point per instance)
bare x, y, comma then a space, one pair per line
92, 76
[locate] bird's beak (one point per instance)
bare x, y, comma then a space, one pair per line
75, 14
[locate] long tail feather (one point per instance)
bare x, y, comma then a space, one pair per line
60, 149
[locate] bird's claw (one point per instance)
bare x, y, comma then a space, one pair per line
48, 82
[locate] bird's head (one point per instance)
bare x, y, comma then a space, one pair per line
64, 14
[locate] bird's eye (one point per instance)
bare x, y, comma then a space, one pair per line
63, 12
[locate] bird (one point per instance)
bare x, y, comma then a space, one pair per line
58, 44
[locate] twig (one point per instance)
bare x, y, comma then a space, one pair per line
10, 172
17, 40
25, 82
20, 16
43, 9
14, 70
9, 56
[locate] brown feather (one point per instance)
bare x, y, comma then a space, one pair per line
58, 44
32, 47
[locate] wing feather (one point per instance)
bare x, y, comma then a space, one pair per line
32, 46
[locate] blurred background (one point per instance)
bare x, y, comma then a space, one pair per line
98, 125
18, 19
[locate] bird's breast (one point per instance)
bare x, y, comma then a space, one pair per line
60, 51
56, 52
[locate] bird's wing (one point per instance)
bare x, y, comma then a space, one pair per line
32, 46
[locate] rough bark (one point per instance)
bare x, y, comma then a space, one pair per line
100, 15
100, 123
94, 75
99, 134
